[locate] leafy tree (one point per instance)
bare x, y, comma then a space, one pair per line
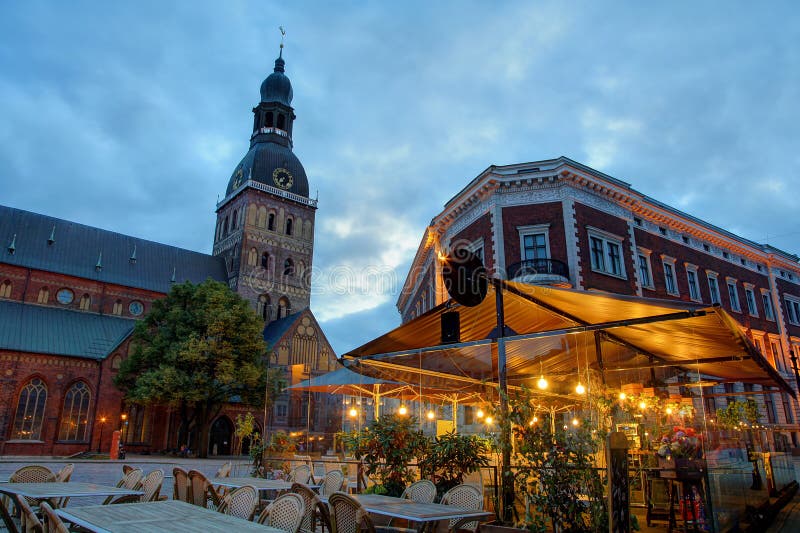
197, 349
451, 456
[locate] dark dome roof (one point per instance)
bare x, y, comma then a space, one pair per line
277, 87
262, 160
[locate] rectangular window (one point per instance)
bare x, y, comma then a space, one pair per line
767, 306
787, 408
535, 246
711, 406
606, 255
669, 279
280, 410
777, 356
614, 258
469, 415
734, 296
597, 254
793, 310
751, 302
644, 271
694, 292
713, 289
769, 406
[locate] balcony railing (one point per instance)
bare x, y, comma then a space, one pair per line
531, 267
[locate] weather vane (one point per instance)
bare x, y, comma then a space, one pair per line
283, 35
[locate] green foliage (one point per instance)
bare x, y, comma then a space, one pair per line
196, 349
243, 428
451, 456
737, 414
387, 446
281, 442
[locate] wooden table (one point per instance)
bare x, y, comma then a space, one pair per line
44, 491
170, 516
259, 483
410, 510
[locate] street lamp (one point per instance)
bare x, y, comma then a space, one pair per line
100, 440
124, 418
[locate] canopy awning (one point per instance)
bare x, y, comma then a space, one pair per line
563, 333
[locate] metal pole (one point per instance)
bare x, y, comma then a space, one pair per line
507, 480
377, 401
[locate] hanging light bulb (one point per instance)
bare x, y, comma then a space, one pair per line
489, 420
535, 419
353, 412
479, 414
532, 422
642, 405
575, 421
542, 383
403, 411
431, 415
580, 389
622, 395
669, 410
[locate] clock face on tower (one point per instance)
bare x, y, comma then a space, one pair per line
238, 180
282, 178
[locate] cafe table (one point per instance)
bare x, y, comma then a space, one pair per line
413, 511
259, 483
45, 491
168, 516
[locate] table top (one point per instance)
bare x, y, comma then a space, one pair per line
73, 489
169, 516
411, 510
257, 482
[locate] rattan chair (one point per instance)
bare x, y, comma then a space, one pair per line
332, 482
240, 502
30, 474
467, 497
422, 491
315, 510
29, 522
285, 513
130, 480
349, 516
65, 473
300, 474
150, 485
181, 489
224, 470
202, 491
53, 523
128, 468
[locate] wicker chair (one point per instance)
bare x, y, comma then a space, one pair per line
202, 491
29, 522
314, 510
181, 489
150, 485
300, 474
285, 513
332, 482
53, 523
240, 502
467, 497
422, 491
30, 474
130, 480
224, 470
128, 468
349, 516
65, 473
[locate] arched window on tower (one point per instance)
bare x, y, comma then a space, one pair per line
234, 219
265, 307
281, 122
5, 289
289, 222
86, 301
225, 231
252, 257
270, 122
265, 261
288, 267
30, 411
74, 417
271, 222
117, 309
44, 295
284, 307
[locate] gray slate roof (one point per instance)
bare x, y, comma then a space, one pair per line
275, 330
76, 249
50, 330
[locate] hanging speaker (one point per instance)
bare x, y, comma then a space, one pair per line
465, 277
451, 327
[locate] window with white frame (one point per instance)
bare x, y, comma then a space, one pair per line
691, 278
733, 295
669, 276
605, 252
645, 275
534, 242
777, 355
767, 301
750, 297
792, 309
476, 248
713, 287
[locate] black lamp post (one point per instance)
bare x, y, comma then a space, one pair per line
100, 440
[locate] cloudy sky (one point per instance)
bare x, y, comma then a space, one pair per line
132, 116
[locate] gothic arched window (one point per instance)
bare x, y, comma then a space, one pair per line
225, 227
284, 307
252, 257
117, 310
44, 295
289, 226
234, 220
75, 416
265, 260
30, 411
5, 289
270, 121
271, 222
288, 267
281, 122
86, 301
265, 307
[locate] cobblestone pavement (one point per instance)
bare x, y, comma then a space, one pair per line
108, 472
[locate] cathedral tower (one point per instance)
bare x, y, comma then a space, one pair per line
265, 223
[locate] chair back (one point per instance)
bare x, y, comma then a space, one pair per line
313, 505
240, 502
300, 474
151, 485
224, 470
65, 473
422, 491
349, 516
332, 482
201, 490
285, 513
128, 468
32, 474
181, 488
468, 497
28, 520
131, 479
52, 520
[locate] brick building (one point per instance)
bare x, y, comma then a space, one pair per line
561, 223
70, 293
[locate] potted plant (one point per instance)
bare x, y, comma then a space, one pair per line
450, 457
680, 454
388, 446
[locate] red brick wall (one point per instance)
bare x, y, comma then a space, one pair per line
529, 215
786, 287
588, 216
480, 228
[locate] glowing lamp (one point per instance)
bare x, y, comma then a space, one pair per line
542, 383
642, 406
669, 410
479, 414
489, 420
431, 415
353, 412
575, 422
580, 389
403, 410
622, 395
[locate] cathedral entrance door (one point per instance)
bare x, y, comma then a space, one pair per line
220, 437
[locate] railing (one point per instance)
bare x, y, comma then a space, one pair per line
272, 190
531, 267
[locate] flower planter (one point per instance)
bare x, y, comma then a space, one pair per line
681, 469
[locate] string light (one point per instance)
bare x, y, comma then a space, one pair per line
642, 405
479, 414
431, 415
580, 389
353, 412
403, 411
489, 420
575, 422
622, 395
542, 383
669, 410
